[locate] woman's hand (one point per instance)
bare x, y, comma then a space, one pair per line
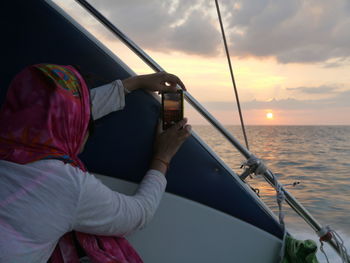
160, 81
167, 144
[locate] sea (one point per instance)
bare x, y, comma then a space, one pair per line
313, 164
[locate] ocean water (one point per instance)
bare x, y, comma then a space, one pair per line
316, 156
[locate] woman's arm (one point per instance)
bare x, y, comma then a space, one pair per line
111, 97
105, 212
102, 211
107, 98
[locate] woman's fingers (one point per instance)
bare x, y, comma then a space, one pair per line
180, 124
168, 142
180, 130
173, 80
160, 81
185, 132
159, 127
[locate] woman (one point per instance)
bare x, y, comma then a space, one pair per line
45, 190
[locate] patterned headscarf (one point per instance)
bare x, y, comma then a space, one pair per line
45, 115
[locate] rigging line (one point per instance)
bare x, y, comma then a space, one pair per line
232, 75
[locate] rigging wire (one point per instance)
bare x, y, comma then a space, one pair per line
232, 75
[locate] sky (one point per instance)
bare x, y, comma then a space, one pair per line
291, 58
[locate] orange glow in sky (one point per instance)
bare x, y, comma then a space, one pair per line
295, 93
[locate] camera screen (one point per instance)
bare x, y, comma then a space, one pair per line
172, 108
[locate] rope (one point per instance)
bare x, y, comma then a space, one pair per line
232, 75
326, 234
292, 184
323, 252
257, 167
280, 198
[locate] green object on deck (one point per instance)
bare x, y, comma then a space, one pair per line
297, 251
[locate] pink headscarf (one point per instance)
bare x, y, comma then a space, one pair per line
46, 116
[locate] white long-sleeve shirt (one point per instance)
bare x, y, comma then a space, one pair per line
41, 201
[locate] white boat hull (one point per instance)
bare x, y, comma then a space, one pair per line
186, 231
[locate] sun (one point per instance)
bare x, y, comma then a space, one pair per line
269, 116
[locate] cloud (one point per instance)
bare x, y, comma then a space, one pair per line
195, 35
315, 90
165, 25
335, 63
341, 100
289, 30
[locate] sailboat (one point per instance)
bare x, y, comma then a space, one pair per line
208, 213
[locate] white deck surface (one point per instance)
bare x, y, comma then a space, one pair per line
186, 231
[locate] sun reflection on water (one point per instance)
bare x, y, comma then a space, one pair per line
316, 156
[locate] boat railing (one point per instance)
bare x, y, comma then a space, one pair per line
267, 174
